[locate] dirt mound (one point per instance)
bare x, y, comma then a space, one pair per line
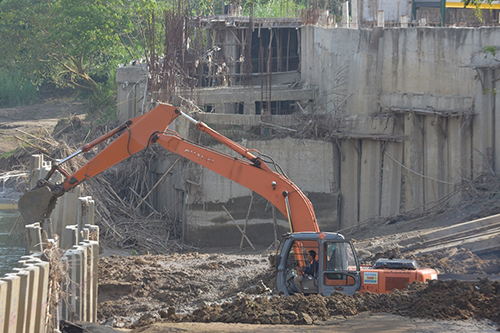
132, 286
439, 300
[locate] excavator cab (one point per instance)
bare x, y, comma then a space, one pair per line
338, 264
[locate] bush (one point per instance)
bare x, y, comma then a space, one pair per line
15, 89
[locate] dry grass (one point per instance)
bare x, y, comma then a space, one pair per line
124, 222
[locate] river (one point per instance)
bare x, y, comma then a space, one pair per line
11, 247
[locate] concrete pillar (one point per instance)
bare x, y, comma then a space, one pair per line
354, 14
349, 183
391, 179
85, 272
72, 288
70, 237
76, 290
25, 296
380, 19
90, 281
483, 124
66, 212
32, 308
85, 234
131, 84
66, 310
496, 107
369, 193
431, 162
85, 214
46, 226
413, 160
91, 211
3, 304
40, 289
93, 232
345, 14
12, 303
34, 237
94, 282
459, 146
36, 162
404, 21
58, 212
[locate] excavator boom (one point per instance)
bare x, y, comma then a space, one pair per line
140, 132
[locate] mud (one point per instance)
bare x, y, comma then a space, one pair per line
161, 285
138, 291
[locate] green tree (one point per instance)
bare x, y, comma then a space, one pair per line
69, 42
478, 6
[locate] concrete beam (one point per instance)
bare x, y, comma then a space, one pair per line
248, 94
428, 101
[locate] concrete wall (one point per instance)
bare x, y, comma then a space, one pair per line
437, 92
308, 163
414, 113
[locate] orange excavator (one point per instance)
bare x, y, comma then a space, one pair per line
338, 269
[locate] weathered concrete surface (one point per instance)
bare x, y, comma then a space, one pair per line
414, 113
436, 84
131, 82
308, 163
218, 97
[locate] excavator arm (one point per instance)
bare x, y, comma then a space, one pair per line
140, 132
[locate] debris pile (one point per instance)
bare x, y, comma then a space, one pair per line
438, 300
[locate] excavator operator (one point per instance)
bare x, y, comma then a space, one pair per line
308, 282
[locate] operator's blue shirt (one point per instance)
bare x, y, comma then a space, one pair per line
312, 268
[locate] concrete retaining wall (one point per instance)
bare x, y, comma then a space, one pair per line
436, 88
27, 303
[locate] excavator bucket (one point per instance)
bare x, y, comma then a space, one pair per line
37, 204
